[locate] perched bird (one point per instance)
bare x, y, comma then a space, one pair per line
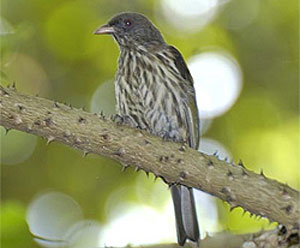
154, 91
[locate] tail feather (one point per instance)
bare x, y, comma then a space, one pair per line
185, 214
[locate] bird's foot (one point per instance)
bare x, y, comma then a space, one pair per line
124, 120
166, 136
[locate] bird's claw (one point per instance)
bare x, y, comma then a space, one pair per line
124, 120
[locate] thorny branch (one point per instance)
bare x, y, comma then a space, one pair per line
173, 162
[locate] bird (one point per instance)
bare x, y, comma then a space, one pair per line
154, 91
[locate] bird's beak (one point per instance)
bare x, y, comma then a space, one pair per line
105, 29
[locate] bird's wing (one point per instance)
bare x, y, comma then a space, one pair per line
193, 124
191, 110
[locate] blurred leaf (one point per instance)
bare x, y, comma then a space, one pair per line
240, 222
14, 230
69, 31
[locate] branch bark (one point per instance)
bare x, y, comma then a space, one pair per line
173, 162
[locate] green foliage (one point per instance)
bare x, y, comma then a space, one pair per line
14, 229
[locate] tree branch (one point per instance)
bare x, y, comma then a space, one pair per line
174, 162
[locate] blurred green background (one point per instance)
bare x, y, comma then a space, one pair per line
48, 48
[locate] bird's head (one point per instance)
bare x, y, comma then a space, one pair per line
132, 30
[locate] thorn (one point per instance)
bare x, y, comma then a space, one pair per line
155, 178
215, 153
262, 173
210, 163
50, 139
48, 122
147, 173
124, 168
241, 163
37, 122
288, 209
230, 175
14, 86
77, 141
136, 169
21, 108
67, 134
4, 92
81, 120
101, 115
244, 212
7, 130
224, 191
244, 174
29, 127
182, 176
120, 152
182, 148
18, 120
85, 153
104, 136
55, 105
282, 230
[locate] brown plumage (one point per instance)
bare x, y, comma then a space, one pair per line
154, 91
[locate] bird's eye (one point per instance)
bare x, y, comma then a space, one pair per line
128, 23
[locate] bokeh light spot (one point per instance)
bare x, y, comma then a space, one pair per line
16, 146
29, 75
218, 82
84, 234
103, 99
50, 215
139, 225
207, 212
154, 194
189, 15
204, 125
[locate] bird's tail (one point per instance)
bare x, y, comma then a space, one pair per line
185, 214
